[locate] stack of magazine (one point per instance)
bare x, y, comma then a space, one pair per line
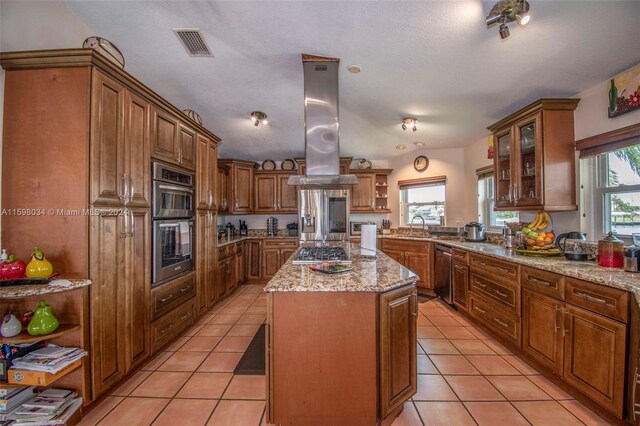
12, 396
51, 359
49, 407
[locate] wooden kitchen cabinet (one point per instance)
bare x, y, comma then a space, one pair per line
240, 186
534, 162
460, 284
253, 257
595, 356
542, 334
275, 253
222, 186
206, 238
172, 140
273, 194
414, 255
370, 195
398, 379
206, 173
239, 265
224, 277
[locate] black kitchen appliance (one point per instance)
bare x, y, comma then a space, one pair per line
443, 271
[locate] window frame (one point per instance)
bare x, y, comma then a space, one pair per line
487, 214
405, 186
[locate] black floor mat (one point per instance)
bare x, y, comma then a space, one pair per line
253, 360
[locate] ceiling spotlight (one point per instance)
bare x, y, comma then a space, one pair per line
258, 117
418, 143
504, 31
506, 11
409, 122
355, 69
401, 147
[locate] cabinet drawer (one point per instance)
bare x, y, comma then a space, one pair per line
406, 245
543, 282
507, 326
607, 301
280, 243
494, 267
168, 296
461, 256
506, 296
165, 329
223, 252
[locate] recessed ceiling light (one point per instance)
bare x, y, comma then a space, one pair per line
418, 143
401, 147
355, 69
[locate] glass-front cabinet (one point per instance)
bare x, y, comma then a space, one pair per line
534, 162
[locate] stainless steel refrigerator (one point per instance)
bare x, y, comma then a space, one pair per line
324, 214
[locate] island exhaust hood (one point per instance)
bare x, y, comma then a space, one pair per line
321, 123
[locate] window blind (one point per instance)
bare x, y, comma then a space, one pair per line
422, 182
609, 141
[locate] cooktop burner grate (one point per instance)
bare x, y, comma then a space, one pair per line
309, 255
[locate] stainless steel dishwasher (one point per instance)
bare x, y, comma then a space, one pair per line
443, 270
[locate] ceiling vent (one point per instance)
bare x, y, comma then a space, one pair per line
192, 40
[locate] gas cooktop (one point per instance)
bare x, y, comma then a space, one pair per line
309, 255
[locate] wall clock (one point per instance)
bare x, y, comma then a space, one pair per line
421, 163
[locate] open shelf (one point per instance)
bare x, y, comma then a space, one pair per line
25, 337
40, 378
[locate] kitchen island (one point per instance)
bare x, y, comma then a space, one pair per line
341, 349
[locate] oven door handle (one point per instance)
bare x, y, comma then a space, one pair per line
175, 188
173, 224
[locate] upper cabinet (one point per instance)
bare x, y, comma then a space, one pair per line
206, 173
240, 186
370, 194
222, 187
534, 162
345, 162
172, 140
273, 194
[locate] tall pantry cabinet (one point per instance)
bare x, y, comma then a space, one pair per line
79, 134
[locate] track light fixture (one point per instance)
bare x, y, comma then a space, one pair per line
409, 122
258, 117
506, 11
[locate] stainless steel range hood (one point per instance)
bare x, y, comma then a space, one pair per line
321, 122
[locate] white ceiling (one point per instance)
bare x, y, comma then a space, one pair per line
434, 60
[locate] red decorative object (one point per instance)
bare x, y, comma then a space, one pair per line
490, 152
634, 99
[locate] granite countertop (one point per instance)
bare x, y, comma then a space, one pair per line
224, 241
14, 292
368, 275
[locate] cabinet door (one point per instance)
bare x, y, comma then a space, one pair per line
363, 195
137, 138
398, 375
285, 254
240, 268
164, 136
418, 263
187, 147
460, 284
138, 279
503, 159
594, 356
203, 190
254, 260
528, 165
108, 313
398, 256
541, 335
287, 195
242, 189
265, 193
202, 293
221, 283
222, 191
211, 262
212, 167
107, 141
270, 262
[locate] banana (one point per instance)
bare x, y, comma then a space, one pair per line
546, 219
535, 224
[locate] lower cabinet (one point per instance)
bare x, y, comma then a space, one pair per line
275, 253
542, 337
168, 327
460, 285
398, 380
224, 276
413, 255
253, 259
206, 235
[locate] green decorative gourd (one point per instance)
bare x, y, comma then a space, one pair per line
43, 322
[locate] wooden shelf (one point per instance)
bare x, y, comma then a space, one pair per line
40, 378
25, 337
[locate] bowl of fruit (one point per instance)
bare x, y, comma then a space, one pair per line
538, 237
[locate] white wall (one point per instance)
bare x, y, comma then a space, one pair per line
447, 162
475, 157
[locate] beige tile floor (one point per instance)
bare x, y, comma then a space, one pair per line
464, 377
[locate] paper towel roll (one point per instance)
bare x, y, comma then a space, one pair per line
368, 240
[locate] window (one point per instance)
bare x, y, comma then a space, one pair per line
617, 191
486, 202
422, 197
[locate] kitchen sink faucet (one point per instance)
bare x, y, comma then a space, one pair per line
411, 224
